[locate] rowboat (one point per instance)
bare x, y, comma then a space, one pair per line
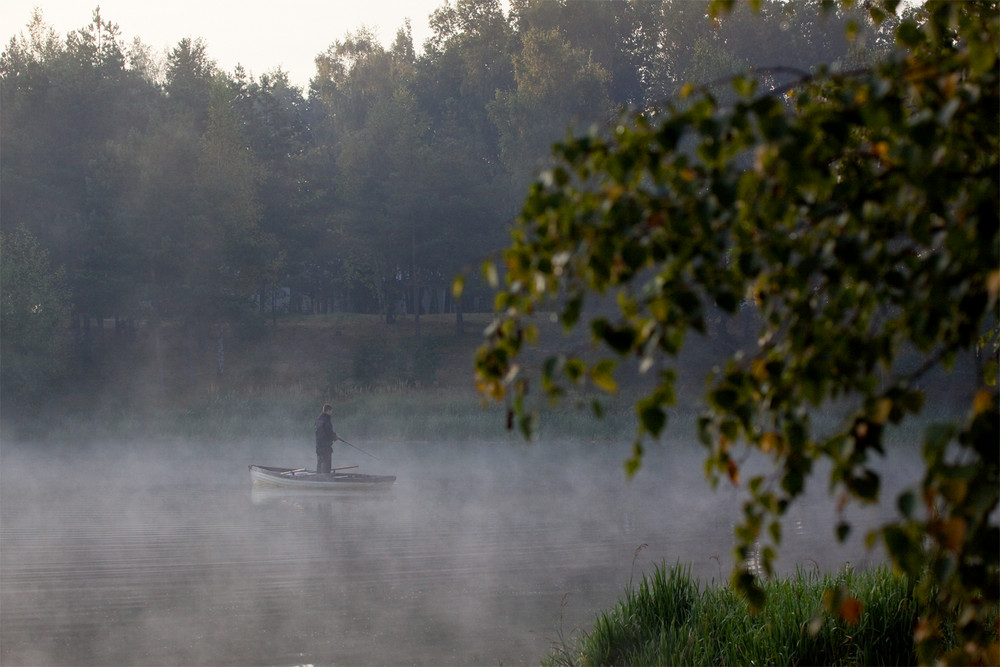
300, 478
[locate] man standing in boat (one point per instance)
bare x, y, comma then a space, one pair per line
325, 437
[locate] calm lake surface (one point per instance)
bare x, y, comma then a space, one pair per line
483, 553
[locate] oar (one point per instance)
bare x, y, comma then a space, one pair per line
358, 448
344, 468
292, 472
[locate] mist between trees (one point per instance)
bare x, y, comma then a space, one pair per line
144, 191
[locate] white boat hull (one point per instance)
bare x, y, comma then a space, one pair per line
289, 478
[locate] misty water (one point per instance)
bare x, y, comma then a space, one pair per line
483, 553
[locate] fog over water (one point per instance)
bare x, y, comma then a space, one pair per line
483, 553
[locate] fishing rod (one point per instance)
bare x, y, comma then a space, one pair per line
358, 448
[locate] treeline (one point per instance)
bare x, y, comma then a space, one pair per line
140, 188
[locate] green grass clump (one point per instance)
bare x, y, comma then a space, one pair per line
668, 619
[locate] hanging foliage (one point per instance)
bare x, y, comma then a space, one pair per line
856, 213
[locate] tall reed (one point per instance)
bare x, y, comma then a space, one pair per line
669, 619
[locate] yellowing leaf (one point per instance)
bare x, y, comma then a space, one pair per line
850, 610
614, 192
490, 273
951, 533
733, 471
982, 402
991, 654
770, 442
993, 284
601, 376
926, 630
881, 150
490, 389
882, 410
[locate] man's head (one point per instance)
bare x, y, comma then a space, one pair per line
327, 408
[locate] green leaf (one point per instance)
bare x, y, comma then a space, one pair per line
618, 339
936, 439
775, 530
843, 530
991, 369
634, 462
745, 584
725, 398
909, 35
602, 375
906, 552
865, 486
571, 311
793, 482
876, 13
651, 417
727, 301
906, 503
744, 87
575, 369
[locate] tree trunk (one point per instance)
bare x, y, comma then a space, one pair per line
274, 307
417, 295
161, 376
220, 355
413, 280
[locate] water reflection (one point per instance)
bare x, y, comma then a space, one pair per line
480, 554
299, 499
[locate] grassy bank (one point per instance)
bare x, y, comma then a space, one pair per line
669, 620
396, 414
402, 414
386, 382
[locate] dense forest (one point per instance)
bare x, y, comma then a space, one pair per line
143, 188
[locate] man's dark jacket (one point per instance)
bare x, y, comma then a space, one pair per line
324, 432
